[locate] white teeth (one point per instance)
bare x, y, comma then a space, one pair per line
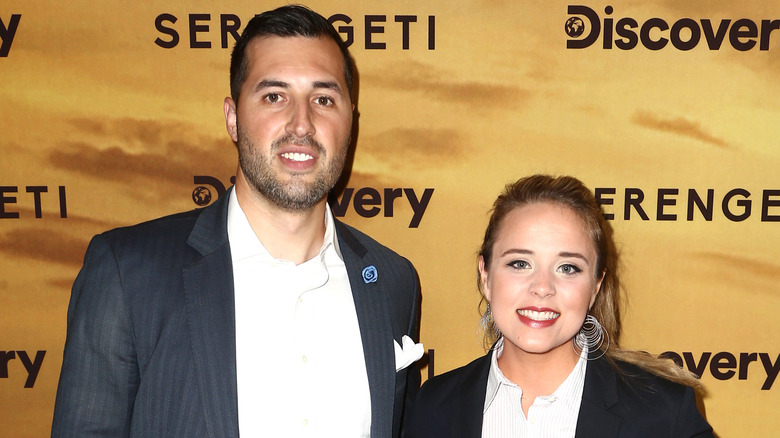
297, 156
538, 316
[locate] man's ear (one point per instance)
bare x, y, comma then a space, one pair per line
230, 118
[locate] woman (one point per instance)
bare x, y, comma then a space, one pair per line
547, 271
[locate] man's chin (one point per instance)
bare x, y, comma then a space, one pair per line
296, 198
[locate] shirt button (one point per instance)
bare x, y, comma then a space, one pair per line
304, 359
305, 422
532, 420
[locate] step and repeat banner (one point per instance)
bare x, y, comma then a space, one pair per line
111, 114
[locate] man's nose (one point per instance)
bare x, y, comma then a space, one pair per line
301, 124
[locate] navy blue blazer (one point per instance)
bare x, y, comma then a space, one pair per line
150, 348
613, 406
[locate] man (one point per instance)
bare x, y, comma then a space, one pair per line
261, 313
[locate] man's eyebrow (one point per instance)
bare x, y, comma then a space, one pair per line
272, 83
269, 83
330, 85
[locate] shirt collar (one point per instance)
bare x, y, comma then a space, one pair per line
495, 377
569, 392
245, 244
330, 233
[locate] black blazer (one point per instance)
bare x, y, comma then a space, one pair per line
150, 349
451, 405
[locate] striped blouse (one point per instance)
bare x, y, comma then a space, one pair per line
553, 416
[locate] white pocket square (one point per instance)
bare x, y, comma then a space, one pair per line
407, 354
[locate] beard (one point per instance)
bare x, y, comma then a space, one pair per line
296, 194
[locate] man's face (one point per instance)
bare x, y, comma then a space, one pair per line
293, 120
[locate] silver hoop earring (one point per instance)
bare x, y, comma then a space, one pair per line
591, 336
487, 325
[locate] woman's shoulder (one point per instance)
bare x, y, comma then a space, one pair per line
450, 404
648, 392
638, 380
441, 387
645, 403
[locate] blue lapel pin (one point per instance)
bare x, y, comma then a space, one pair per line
369, 274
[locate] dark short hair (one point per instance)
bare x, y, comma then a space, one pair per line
285, 21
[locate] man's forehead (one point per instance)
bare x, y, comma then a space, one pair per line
319, 53
267, 43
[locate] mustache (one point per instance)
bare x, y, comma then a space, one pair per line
305, 141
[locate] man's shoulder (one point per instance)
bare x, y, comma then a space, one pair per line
162, 227
177, 226
362, 243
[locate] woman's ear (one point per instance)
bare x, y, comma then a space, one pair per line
483, 278
597, 289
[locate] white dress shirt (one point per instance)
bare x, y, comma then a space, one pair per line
552, 416
299, 354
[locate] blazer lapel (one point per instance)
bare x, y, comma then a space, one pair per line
208, 290
467, 415
376, 331
599, 396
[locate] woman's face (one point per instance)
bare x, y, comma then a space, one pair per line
542, 280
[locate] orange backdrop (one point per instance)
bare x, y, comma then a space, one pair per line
111, 113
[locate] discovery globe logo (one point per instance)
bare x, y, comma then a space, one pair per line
201, 196
575, 27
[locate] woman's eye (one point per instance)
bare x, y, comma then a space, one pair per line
518, 264
570, 269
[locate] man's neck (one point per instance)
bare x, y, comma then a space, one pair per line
296, 236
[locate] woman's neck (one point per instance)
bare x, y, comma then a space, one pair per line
537, 374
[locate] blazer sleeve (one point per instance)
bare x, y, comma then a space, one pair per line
100, 373
690, 423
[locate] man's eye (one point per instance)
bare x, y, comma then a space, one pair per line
324, 101
273, 97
